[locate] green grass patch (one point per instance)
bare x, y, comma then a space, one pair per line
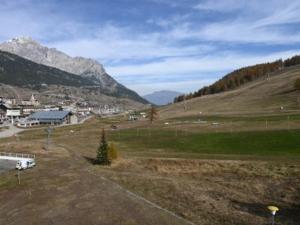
283, 142
8, 181
292, 117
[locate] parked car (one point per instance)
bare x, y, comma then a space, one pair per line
25, 164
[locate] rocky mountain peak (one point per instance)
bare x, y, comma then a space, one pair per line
30, 49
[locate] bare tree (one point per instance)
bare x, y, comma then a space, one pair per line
153, 114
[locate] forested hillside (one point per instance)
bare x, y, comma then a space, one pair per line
240, 77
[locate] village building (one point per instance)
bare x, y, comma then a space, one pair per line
10, 101
143, 114
10, 112
2, 114
84, 111
52, 117
30, 102
26, 123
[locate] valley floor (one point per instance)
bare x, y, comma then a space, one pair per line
216, 180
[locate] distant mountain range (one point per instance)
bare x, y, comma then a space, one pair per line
40, 64
162, 97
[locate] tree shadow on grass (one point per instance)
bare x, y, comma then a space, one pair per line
251, 208
92, 161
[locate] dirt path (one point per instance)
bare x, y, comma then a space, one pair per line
66, 189
133, 196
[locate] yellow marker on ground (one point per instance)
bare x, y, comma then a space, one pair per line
273, 210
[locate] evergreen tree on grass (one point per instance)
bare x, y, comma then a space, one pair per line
102, 152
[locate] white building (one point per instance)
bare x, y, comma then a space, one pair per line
28, 123
10, 112
32, 101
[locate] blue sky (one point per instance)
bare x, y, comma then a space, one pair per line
150, 45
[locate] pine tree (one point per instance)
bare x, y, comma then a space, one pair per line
102, 152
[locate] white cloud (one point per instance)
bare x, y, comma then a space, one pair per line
253, 22
181, 45
180, 86
111, 43
237, 32
281, 14
220, 5
168, 71
225, 61
109, 48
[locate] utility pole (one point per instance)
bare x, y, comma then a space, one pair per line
19, 177
49, 131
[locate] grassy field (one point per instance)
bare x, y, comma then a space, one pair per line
263, 96
218, 159
244, 117
259, 143
207, 175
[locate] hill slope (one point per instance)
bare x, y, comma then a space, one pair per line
84, 68
17, 71
263, 95
242, 76
161, 97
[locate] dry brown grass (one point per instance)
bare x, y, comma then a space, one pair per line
66, 187
215, 192
260, 96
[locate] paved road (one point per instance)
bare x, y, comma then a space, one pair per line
10, 132
6, 165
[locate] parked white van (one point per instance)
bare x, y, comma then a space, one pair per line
25, 164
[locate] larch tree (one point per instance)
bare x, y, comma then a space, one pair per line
153, 114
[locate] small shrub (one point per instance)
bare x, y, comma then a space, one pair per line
112, 152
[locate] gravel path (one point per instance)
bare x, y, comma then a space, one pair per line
10, 132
